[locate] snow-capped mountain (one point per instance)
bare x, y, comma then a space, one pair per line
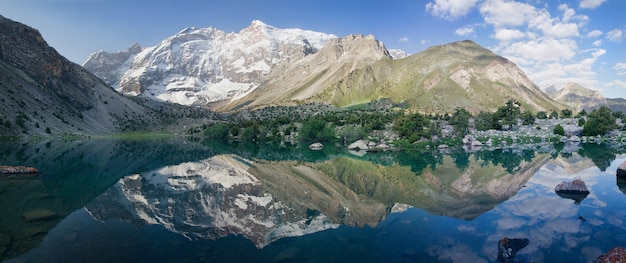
209, 199
201, 65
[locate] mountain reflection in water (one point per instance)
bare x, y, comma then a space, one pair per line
379, 208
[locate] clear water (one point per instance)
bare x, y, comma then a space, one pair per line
190, 201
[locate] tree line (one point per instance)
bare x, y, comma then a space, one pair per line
409, 127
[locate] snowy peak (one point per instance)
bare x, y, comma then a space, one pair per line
197, 66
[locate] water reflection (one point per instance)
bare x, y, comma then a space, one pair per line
211, 200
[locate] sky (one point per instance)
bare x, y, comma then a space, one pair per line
554, 42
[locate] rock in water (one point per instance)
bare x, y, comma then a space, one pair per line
359, 145
575, 190
576, 186
38, 214
615, 255
17, 170
316, 146
621, 170
508, 247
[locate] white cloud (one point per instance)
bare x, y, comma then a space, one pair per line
501, 14
403, 40
424, 42
597, 43
568, 13
615, 35
616, 83
464, 31
590, 4
545, 49
594, 33
620, 68
507, 35
450, 9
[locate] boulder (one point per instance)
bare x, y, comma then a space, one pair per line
508, 247
383, 146
316, 146
442, 147
574, 138
468, 139
616, 254
17, 170
575, 190
477, 143
621, 170
359, 145
576, 186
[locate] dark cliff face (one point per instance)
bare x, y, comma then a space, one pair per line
25, 49
43, 93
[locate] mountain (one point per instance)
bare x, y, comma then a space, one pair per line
579, 98
43, 93
226, 194
312, 75
356, 70
197, 66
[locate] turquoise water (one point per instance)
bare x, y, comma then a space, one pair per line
181, 200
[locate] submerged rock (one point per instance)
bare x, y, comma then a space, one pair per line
508, 247
38, 214
615, 255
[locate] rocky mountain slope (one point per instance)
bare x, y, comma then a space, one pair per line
42, 93
439, 79
306, 78
579, 98
262, 66
197, 66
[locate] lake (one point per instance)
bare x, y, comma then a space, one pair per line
189, 200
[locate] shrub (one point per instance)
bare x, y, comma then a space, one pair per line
559, 130
600, 122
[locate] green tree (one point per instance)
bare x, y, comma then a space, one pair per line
217, 131
559, 130
554, 115
250, 133
460, 121
600, 122
581, 122
542, 115
528, 118
582, 113
316, 130
483, 121
509, 113
412, 127
566, 113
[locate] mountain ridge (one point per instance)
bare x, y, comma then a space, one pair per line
580, 98
197, 66
262, 66
44, 94
456, 75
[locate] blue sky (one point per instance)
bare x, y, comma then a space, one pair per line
554, 42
